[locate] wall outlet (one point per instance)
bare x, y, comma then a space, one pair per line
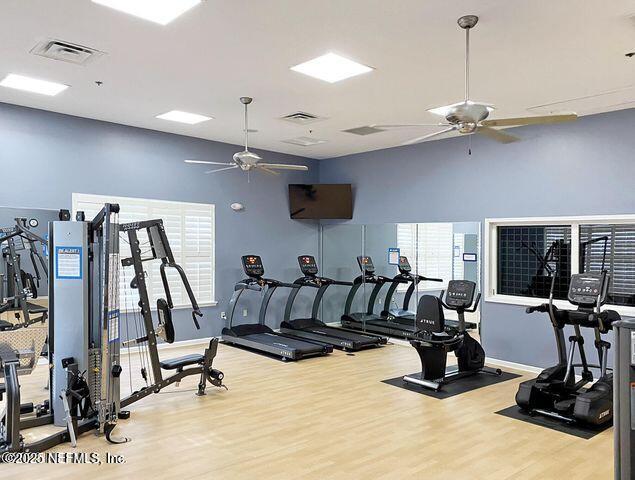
245, 312
223, 315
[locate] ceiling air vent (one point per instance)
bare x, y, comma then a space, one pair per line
364, 130
304, 141
66, 51
302, 118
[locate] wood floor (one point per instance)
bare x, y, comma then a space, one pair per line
326, 418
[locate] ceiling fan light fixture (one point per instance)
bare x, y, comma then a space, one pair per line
445, 110
331, 68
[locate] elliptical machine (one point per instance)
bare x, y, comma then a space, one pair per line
434, 339
555, 392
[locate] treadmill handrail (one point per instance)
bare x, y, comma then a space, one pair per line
410, 278
272, 285
321, 283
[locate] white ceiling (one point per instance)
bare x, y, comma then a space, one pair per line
526, 53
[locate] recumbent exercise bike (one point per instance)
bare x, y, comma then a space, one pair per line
434, 339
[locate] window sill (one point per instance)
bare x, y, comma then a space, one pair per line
532, 302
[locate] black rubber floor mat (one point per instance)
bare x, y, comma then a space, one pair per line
554, 424
463, 385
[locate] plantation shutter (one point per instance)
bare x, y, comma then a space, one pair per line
190, 231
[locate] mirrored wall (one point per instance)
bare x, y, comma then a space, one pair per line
24, 290
387, 268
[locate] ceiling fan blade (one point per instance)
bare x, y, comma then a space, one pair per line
546, 119
205, 162
284, 166
266, 170
222, 169
430, 135
407, 125
499, 136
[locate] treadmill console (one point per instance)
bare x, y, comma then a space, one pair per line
252, 264
404, 265
586, 289
366, 265
460, 293
308, 265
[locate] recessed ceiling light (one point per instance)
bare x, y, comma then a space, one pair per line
184, 117
304, 141
157, 11
34, 85
331, 68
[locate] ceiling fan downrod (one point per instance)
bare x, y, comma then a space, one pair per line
467, 22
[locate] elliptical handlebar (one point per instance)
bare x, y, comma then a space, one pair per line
537, 308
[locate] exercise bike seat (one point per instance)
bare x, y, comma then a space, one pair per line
184, 361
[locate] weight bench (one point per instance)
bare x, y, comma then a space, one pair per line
184, 361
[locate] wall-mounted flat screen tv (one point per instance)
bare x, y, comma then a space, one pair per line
321, 201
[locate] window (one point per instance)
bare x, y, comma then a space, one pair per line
429, 248
532, 258
190, 231
523, 256
611, 247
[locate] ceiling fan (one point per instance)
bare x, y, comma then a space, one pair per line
469, 117
246, 160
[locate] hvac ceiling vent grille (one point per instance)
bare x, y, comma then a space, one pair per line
66, 51
364, 130
302, 118
304, 141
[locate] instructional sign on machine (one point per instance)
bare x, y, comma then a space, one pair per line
68, 262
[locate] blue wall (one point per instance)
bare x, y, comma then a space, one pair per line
582, 168
46, 156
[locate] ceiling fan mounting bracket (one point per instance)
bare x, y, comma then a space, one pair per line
246, 100
467, 21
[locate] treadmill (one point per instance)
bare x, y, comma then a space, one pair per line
314, 329
259, 336
404, 315
368, 320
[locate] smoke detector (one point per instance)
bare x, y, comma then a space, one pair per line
364, 130
304, 141
302, 118
66, 51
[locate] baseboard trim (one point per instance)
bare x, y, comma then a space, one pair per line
514, 365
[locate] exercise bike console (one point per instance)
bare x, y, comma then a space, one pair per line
460, 294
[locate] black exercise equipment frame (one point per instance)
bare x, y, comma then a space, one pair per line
161, 250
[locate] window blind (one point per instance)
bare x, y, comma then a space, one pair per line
619, 260
429, 248
190, 231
